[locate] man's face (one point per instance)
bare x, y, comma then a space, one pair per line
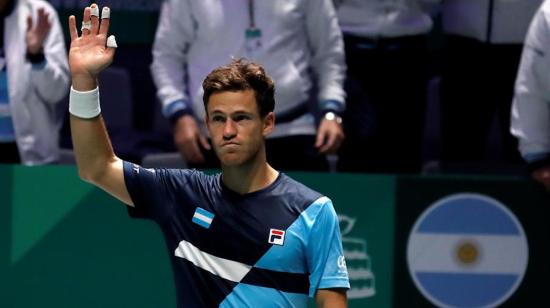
235, 126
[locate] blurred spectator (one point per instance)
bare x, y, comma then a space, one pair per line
386, 54
531, 104
483, 47
291, 39
34, 77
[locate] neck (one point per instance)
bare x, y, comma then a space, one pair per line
251, 176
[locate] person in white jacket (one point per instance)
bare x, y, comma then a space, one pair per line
34, 77
530, 121
291, 39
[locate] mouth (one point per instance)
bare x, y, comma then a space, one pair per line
229, 144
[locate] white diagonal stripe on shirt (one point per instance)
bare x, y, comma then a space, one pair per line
224, 268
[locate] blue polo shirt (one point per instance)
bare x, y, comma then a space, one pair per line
269, 248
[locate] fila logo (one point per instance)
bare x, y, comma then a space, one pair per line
276, 237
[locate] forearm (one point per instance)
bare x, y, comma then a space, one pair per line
92, 147
91, 143
168, 73
529, 122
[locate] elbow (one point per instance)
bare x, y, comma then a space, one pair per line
54, 95
51, 83
92, 174
98, 172
88, 176
59, 96
63, 84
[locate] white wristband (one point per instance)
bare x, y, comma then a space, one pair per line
84, 104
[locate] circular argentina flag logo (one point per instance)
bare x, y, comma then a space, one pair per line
467, 250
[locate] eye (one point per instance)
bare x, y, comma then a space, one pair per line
218, 118
241, 117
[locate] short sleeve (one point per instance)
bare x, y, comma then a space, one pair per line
325, 255
149, 190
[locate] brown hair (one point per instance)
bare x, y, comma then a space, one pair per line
241, 75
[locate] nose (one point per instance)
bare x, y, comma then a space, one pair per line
229, 130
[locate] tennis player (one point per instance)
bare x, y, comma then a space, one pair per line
248, 237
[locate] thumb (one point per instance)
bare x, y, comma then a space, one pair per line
110, 52
111, 42
111, 46
204, 142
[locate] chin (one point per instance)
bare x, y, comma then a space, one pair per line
231, 160
235, 160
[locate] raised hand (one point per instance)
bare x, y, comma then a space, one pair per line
35, 36
89, 53
330, 136
189, 140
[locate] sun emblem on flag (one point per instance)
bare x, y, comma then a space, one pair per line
467, 253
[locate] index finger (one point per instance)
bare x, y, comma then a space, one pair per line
72, 28
329, 144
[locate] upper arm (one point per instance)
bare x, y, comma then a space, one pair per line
175, 21
331, 298
327, 49
170, 54
112, 181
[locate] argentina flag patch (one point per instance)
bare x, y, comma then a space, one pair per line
202, 217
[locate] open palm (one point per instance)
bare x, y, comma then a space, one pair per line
88, 54
36, 35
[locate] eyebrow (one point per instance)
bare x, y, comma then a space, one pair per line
238, 112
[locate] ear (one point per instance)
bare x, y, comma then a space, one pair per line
268, 124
